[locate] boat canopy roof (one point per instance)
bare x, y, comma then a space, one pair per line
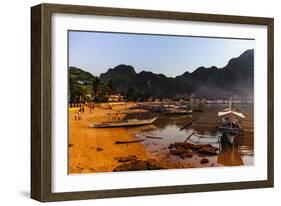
231, 112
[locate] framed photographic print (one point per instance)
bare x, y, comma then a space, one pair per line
130, 102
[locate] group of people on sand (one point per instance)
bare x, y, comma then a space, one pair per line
77, 114
91, 106
109, 107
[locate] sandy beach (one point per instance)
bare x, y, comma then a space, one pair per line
94, 149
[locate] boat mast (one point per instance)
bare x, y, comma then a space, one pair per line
230, 103
230, 108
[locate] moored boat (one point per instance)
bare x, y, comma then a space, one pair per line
124, 123
177, 112
230, 119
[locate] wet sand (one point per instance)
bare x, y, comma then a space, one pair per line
94, 149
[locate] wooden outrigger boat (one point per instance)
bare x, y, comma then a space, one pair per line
124, 123
177, 112
198, 107
230, 119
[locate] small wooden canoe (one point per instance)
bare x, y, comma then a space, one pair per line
124, 123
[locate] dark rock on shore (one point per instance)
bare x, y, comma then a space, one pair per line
197, 146
208, 150
136, 165
204, 161
185, 145
129, 158
182, 152
186, 149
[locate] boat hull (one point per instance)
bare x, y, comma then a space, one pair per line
227, 139
124, 123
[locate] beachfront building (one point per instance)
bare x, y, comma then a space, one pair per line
115, 98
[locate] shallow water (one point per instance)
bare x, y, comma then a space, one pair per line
204, 130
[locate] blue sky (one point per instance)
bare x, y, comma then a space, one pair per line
96, 52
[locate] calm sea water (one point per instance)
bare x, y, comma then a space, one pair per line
204, 130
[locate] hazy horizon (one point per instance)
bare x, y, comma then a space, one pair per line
96, 52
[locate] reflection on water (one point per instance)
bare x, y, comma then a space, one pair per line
169, 129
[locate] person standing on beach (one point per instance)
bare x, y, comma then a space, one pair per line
76, 115
90, 107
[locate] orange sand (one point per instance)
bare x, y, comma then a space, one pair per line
94, 149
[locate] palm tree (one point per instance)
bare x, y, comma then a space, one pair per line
95, 87
111, 89
70, 90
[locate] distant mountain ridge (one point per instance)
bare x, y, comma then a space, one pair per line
235, 79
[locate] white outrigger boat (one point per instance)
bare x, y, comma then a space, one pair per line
124, 123
230, 119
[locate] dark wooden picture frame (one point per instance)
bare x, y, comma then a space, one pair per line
41, 101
